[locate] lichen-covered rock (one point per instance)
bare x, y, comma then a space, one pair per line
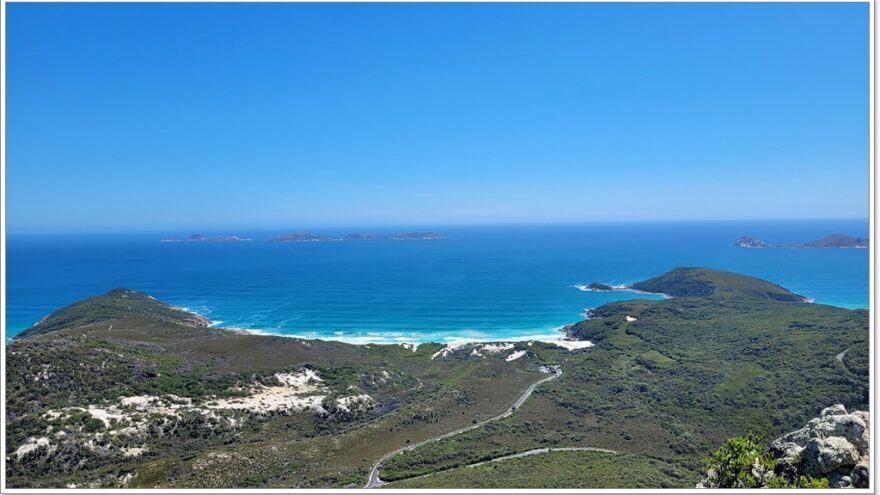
833, 410
797, 438
834, 446
848, 426
823, 455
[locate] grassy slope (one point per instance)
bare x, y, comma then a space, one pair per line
689, 372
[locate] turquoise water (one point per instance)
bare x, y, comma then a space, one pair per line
496, 282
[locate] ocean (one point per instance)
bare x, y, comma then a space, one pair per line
481, 283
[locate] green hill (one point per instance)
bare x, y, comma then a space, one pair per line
703, 282
116, 304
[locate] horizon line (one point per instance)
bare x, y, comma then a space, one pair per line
362, 227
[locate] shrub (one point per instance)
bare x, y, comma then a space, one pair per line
740, 462
93, 424
802, 482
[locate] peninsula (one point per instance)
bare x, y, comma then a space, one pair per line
832, 241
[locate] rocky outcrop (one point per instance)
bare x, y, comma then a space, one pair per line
831, 451
749, 242
834, 446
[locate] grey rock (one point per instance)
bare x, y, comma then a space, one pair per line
797, 437
840, 482
824, 455
835, 409
849, 426
782, 450
864, 416
861, 476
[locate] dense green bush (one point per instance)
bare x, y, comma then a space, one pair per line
740, 462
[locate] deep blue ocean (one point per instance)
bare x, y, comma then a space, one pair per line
481, 283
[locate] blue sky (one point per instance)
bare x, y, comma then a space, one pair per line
145, 116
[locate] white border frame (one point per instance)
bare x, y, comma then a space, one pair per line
872, 265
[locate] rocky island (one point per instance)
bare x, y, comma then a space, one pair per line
305, 237
749, 242
124, 391
207, 238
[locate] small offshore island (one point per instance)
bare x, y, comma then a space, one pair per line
407, 236
832, 241
124, 391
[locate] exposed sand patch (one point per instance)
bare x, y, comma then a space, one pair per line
32, 445
302, 390
630, 319
272, 399
490, 348
496, 347
298, 391
105, 415
516, 355
304, 380
345, 403
443, 352
571, 344
133, 451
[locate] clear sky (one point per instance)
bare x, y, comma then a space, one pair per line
202, 116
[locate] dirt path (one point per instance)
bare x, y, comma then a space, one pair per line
840, 357
527, 453
375, 482
544, 450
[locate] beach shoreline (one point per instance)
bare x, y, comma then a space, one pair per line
559, 338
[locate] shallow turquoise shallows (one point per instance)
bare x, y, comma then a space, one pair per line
481, 283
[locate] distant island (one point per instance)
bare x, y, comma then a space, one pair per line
749, 242
206, 238
831, 241
406, 236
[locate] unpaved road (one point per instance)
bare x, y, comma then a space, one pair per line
375, 482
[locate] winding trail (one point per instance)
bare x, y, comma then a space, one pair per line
841, 356
527, 453
544, 450
375, 482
